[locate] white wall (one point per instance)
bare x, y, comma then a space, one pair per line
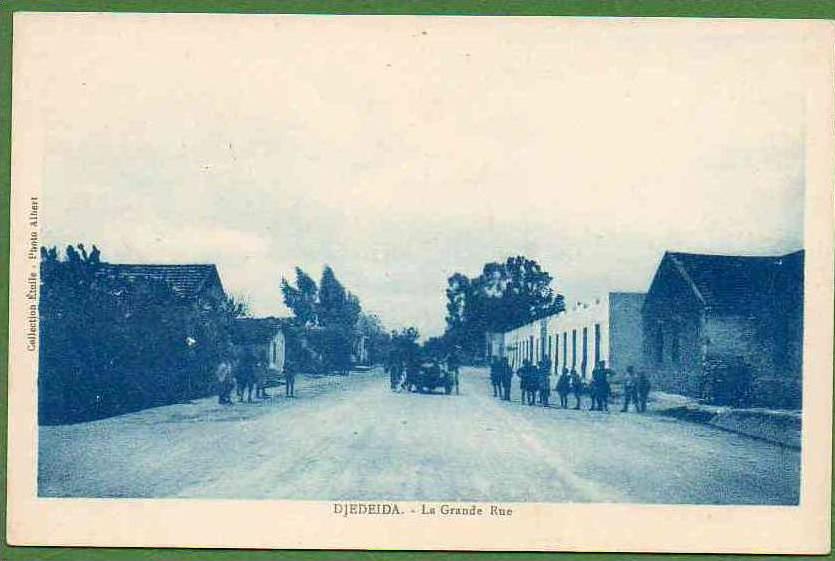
517, 341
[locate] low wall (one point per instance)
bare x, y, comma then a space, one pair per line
776, 426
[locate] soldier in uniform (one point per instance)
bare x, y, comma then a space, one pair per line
576, 387
564, 388
642, 389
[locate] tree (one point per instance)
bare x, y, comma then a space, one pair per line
110, 344
504, 296
328, 316
302, 299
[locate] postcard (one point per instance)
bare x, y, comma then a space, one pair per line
419, 282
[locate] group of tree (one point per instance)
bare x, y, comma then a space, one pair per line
110, 344
504, 296
328, 325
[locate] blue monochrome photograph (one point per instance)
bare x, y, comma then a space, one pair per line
419, 262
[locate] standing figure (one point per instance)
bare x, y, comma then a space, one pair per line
225, 381
605, 389
524, 379
576, 387
245, 379
597, 387
261, 380
495, 376
630, 390
642, 387
531, 382
545, 381
564, 388
290, 384
453, 362
506, 376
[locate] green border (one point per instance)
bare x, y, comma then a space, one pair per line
797, 9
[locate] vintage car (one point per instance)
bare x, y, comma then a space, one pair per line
428, 377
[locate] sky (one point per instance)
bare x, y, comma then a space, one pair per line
400, 150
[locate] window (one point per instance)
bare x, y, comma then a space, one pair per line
659, 345
596, 343
565, 349
584, 364
530, 348
557, 353
573, 349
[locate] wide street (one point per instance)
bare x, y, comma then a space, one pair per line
350, 437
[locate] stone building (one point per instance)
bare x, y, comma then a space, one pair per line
607, 329
728, 329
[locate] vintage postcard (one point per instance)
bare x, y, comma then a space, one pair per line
389, 282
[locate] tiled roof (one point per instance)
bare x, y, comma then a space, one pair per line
733, 281
185, 280
248, 331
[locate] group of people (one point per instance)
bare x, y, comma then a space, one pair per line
244, 373
535, 385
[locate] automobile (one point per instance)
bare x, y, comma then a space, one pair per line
428, 377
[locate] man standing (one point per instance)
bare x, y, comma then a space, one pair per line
225, 381
290, 384
564, 388
495, 380
643, 387
545, 381
524, 374
576, 386
506, 373
453, 362
630, 394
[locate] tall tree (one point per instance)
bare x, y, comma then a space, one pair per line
302, 299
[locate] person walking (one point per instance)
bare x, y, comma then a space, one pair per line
630, 390
576, 387
642, 389
564, 388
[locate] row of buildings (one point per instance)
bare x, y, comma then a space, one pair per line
727, 329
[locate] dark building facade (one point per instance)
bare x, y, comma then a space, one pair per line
728, 329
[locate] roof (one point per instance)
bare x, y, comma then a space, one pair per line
735, 281
185, 280
248, 331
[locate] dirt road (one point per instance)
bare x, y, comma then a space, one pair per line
351, 438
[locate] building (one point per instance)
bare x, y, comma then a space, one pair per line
264, 338
199, 283
726, 328
607, 329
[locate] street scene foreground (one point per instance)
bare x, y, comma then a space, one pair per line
352, 438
